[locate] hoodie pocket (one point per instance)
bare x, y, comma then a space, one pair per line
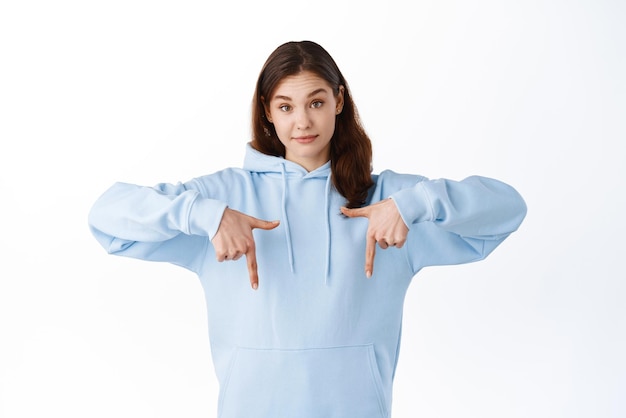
333, 382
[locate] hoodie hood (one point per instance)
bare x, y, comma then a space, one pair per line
258, 162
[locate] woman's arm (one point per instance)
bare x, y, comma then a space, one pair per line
443, 221
168, 222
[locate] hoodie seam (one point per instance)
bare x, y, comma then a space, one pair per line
198, 261
188, 213
428, 201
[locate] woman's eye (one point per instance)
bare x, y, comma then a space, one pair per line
285, 108
317, 104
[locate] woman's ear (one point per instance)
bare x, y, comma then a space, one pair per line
339, 99
266, 109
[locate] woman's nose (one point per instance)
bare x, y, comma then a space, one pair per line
303, 121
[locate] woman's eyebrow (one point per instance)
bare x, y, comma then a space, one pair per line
313, 93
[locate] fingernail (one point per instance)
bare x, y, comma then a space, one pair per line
368, 274
255, 286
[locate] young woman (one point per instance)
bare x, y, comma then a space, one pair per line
318, 334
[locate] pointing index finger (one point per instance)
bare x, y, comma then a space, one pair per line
252, 268
370, 251
262, 224
351, 213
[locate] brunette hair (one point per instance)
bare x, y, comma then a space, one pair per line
350, 146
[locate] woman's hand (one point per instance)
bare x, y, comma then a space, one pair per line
385, 227
234, 239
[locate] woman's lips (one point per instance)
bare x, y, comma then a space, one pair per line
305, 139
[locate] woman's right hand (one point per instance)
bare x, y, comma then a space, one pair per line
234, 239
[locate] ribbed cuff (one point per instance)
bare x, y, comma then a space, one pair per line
205, 216
414, 204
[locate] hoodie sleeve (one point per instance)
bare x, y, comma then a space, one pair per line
168, 222
453, 222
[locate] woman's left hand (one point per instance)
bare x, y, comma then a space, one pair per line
385, 227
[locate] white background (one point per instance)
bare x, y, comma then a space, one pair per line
530, 92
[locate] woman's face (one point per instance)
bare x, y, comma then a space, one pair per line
303, 109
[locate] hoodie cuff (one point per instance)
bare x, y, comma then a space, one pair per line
414, 204
205, 216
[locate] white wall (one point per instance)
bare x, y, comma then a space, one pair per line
531, 92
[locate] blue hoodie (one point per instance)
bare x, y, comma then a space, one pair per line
317, 339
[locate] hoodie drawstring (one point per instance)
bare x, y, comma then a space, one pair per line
287, 230
327, 212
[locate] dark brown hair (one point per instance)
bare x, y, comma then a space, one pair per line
350, 146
